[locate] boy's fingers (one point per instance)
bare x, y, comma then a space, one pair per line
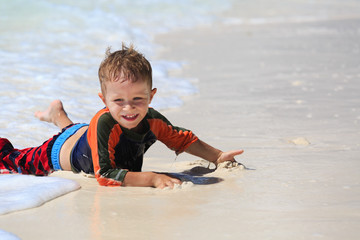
229, 156
171, 182
175, 180
232, 154
236, 152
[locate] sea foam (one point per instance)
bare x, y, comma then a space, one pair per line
7, 236
20, 192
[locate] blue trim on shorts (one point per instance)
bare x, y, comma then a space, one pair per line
55, 151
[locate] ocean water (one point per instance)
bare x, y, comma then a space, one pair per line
51, 49
7, 236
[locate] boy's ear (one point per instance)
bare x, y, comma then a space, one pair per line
153, 91
102, 97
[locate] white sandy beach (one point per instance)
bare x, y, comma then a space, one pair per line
286, 93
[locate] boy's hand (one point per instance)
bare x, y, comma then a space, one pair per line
228, 156
149, 179
163, 180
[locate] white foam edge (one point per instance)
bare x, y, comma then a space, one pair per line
8, 236
19, 192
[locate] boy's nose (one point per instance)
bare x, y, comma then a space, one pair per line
128, 105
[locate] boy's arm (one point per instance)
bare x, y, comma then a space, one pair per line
211, 154
198, 148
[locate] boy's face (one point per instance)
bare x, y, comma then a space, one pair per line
128, 101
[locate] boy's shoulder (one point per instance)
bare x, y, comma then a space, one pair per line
103, 117
154, 114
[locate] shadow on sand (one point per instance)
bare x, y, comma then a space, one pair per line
196, 176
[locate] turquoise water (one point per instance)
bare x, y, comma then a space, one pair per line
51, 49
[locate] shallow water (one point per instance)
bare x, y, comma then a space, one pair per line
52, 49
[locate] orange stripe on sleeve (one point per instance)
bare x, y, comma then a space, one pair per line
113, 141
93, 143
177, 140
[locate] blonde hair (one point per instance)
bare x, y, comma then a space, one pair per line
126, 62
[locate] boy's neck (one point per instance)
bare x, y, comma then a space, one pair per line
140, 128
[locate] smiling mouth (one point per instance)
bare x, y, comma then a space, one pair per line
130, 117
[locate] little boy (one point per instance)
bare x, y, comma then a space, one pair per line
112, 146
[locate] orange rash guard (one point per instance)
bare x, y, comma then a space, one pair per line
116, 150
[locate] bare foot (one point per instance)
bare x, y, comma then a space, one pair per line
54, 114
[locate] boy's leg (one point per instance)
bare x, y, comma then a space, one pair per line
34, 160
55, 114
27, 161
6, 165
